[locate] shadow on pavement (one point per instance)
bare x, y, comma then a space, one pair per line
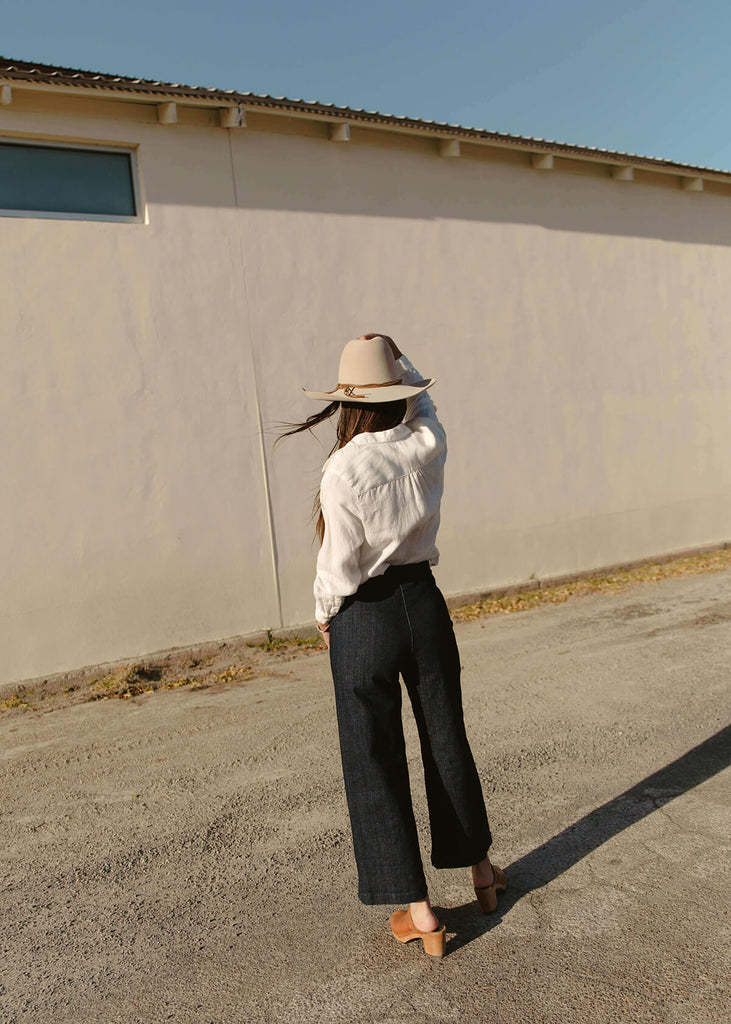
562, 851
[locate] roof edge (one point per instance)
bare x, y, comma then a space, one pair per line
60, 77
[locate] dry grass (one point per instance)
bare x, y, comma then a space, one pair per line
172, 672
136, 679
12, 702
278, 643
711, 561
129, 681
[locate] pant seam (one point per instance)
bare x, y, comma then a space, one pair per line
408, 620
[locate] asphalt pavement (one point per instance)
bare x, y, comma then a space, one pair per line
185, 856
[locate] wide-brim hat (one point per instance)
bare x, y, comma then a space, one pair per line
369, 373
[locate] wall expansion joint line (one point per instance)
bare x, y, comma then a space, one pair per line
260, 427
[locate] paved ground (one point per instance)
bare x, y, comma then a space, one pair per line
184, 856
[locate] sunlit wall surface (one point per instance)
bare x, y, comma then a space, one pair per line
576, 325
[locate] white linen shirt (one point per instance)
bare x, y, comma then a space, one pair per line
380, 496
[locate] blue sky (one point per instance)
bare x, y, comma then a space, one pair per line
641, 76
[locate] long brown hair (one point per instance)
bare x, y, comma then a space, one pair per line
355, 418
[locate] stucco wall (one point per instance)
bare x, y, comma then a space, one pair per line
576, 326
135, 514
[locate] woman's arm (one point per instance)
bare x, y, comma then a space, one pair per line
420, 405
338, 562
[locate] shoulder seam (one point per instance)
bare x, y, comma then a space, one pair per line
384, 483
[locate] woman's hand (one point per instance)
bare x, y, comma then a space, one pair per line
324, 628
391, 343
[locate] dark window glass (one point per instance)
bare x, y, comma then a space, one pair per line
53, 180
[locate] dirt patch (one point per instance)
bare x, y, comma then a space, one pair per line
601, 583
629, 613
722, 614
220, 664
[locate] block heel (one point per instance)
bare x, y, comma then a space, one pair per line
435, 942
403, 929
487, 894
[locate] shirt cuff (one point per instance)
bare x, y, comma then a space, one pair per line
411, 375
326, 606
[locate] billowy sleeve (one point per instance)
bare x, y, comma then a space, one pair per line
420, 405
338, 563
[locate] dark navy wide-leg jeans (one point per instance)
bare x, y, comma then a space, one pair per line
398, 624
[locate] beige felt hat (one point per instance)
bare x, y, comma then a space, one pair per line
369, 373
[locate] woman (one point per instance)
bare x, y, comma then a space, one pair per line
381, 615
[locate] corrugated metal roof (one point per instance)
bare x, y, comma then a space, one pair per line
25, 71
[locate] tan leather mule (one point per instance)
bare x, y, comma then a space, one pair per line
403, 929
487, 894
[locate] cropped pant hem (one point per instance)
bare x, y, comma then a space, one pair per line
373, 899
460, 862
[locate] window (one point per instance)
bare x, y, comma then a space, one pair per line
66, 181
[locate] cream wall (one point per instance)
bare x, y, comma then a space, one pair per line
576, 325
135, 516
583, 374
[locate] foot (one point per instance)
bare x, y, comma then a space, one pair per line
424, 918
482, 874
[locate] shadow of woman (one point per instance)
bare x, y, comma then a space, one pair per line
552, 858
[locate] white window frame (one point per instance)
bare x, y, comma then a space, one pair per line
131, 151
